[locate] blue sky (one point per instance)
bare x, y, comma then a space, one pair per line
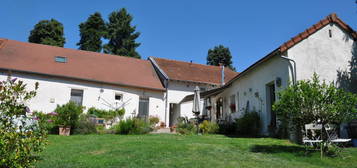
185, 29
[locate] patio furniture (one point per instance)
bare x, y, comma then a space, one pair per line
332, 134
314, 139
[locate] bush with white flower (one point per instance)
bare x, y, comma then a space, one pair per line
22, 135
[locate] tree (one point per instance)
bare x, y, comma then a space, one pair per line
220, 54
49, 32
91, 32
21, 134
121, 35
312, 101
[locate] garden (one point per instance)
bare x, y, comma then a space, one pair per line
104, 138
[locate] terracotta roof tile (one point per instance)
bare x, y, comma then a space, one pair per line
332, 18
186, 71
84, 65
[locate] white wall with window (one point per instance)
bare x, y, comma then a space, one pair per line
53, 91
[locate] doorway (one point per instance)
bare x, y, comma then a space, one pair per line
219, 109
143, 107
174, 114
270, 102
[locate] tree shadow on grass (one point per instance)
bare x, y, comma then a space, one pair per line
271, 149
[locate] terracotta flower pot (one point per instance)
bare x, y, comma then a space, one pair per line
64, 130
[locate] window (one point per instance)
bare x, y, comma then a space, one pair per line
60, 59
202, 89
118, 97
143, 107
232, 104
237, 105
77, 96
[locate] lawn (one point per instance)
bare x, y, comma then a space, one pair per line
165, 150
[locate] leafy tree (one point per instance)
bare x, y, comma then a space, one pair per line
91, 32
49, 32
312, 101
220, 54
121, 35
21, 134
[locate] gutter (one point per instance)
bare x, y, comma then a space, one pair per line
294, 70
166, 83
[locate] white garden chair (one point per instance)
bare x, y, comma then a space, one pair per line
313, 128
332, 133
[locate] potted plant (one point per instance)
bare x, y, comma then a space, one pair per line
67, 117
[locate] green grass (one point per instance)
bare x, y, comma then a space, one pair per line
164, 150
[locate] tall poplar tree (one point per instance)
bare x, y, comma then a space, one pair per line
91, 32
121, 35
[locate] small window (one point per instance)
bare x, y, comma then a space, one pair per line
77, 96
60, 59
330, 33
118, 97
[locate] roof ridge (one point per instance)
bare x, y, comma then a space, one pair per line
186, 62
331, 18
78, 50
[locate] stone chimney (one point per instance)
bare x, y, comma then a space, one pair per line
222, 73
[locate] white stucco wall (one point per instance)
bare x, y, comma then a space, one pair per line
251, 83
318, 53
58, 90
323, 54
177, 90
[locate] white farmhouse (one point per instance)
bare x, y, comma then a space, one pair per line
88, 78
326, 48
180, 78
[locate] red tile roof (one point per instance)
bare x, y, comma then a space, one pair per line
83, 65
332, 18
186, 71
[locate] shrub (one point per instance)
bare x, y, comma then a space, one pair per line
85, 125
153, 120
185, 126
249, 124
47, 121
227, 128
22, 136
68, 114
207, 127
132, 126
106, 114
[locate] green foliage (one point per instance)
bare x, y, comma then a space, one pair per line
220, 54
121, 35
227, 128
22, 136
85, 125
313, 101
47, 121
91, 32
207, 127
185, 126
68, 114
106, 114
133, 126
49, 32
249, 124
153, 120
